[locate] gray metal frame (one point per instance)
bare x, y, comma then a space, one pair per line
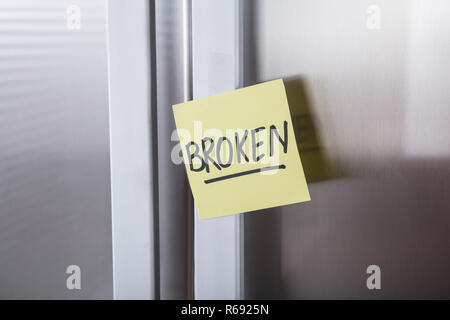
133, 149
217, 67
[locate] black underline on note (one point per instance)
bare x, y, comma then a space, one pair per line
244, 173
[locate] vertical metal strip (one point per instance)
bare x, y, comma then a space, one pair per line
187, 95
217, 67
132, 149
239, 61
154, 146
187, 49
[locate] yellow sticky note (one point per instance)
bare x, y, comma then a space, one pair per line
240, 152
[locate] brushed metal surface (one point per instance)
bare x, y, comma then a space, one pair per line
174, 277
54, 151
372, 109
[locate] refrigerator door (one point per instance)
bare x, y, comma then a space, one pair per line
368, 86
55, 201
